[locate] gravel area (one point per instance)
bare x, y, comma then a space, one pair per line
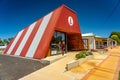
13, 68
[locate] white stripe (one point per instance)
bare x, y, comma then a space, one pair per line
38, 36
14, 42
24, 40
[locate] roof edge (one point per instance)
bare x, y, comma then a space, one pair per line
63, 5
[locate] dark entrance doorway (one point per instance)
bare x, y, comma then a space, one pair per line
57, 39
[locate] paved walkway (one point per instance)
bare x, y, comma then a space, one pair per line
57, 71
54, 71
101, 67
108, 69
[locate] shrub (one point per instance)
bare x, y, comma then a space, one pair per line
83, 55
80, 55
90, 53
86, 53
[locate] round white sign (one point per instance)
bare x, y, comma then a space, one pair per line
70, 20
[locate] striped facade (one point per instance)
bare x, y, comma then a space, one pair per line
34, 40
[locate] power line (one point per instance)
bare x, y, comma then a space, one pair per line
112, 12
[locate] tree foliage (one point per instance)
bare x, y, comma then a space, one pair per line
115, 36
1, 42
5, 41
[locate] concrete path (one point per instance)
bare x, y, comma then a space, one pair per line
57, 71
108, 69
54, 71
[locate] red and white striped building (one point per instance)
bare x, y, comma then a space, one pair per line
34, 41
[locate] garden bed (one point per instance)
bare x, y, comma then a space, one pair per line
80, 59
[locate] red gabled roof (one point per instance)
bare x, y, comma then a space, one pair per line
34, 40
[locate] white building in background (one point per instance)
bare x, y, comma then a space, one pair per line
2, 46
92, 41
89, 40
111, 43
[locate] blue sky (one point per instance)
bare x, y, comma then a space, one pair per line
98, 16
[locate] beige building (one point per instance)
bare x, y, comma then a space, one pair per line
92, 42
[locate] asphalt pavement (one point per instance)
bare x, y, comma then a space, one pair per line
13, 68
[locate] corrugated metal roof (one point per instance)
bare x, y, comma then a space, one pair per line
98, 36
88, 34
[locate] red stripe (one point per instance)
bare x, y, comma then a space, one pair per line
8, 46
30, 39
19, 41
43, 46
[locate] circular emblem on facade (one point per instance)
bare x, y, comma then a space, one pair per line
70, 21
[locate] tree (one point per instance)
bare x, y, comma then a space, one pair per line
9, 39
115, 33
116, 38
1, 42
6, 41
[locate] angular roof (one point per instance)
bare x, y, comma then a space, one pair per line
34, 40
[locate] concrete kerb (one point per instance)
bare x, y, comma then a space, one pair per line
78, 62
55, 58
47, 60
42, 61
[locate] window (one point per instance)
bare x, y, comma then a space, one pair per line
56, 42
